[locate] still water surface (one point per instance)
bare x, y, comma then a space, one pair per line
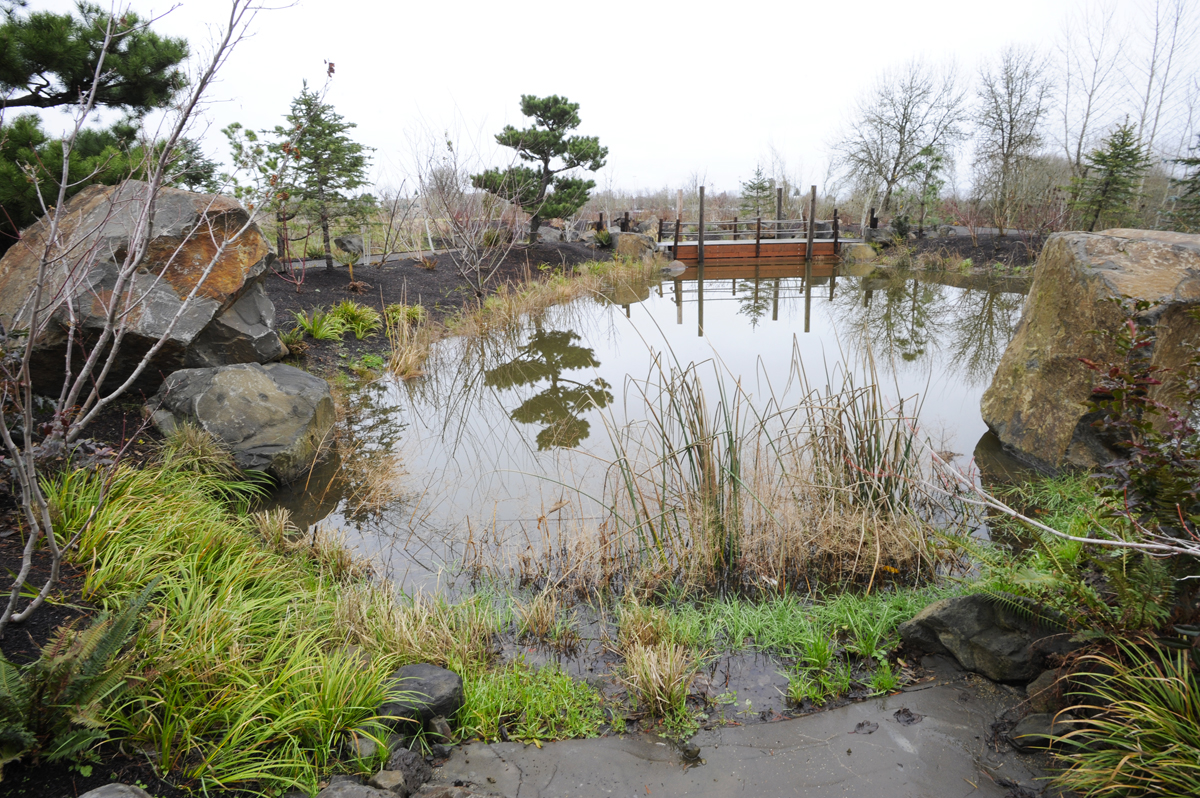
508, 436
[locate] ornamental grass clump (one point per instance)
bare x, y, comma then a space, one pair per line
246, 678
362, 320
1139, 735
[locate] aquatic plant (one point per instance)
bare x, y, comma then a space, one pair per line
760, 496
529, 705
659, 678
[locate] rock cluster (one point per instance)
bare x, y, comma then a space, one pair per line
227, 318
1003, 642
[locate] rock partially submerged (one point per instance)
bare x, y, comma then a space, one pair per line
228, 320
276, 418
1036, 404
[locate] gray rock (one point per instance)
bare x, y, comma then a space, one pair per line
187, 229
352, 789
275, 418
392, 781
946, 230
116, 791
414, 767
352, 244
983, 635
1043, 692
549, 234
243, 333
361, 746
433, 691
649, 227
1034, 732
439, 726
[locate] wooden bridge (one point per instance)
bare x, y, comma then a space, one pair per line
758, 238
753, 239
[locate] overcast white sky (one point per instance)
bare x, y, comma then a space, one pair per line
671, 88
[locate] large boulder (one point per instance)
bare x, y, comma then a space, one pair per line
648, 226
986, 636
230, 316
635, 245
276, 418
1036, 403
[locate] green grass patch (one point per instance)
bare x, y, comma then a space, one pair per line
249, 670
529, 704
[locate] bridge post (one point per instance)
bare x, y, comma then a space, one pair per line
812, 226
700, 240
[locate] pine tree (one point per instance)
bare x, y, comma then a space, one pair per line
1185, 217
325, 162
758, 194
547, 145
1109, 186
48, 60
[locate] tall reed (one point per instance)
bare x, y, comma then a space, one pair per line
715, 488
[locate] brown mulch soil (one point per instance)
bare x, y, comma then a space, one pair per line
1006, 252
441, 290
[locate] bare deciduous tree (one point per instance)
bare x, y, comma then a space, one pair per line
1169, 35
1089, 47
1013, 94
909, 109
474, 218
87, 388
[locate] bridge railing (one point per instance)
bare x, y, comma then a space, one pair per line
743, 229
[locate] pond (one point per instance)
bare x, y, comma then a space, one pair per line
504, 450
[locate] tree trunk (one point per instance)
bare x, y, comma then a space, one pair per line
535, 221
323, 211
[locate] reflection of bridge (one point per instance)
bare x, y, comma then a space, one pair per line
769, 281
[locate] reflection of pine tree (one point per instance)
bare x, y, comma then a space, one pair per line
558, 406
754, 301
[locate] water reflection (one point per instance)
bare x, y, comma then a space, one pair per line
498, 442
967, 322
559, 406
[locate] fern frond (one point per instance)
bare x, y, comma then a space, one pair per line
1029, 609
14, 692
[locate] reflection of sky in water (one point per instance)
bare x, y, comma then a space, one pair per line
481, 432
